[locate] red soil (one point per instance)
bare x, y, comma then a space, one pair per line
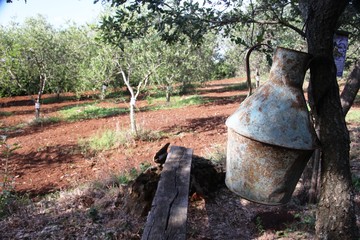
50, 159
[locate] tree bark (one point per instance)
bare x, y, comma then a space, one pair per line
168, 93
132, 103
313, 191
335, 214
132, 116
351, 89
41, 90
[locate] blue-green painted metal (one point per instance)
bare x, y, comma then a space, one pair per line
270, 136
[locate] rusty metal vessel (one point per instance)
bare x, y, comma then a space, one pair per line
270, 136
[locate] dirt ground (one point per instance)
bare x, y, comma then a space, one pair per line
50, 160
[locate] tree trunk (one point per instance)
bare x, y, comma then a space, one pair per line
313, 192
132, 116
351, 89
335, 214
41, 90
168, 93
103, 92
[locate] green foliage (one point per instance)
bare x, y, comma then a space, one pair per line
75, 62
124, 179
224, 70
134, 20
130, 175
89, 111
353, 116
144, 166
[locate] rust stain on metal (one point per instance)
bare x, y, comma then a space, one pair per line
270, 138
270, 180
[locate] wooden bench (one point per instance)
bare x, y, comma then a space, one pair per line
167, 218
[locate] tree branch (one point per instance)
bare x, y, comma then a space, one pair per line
351, 89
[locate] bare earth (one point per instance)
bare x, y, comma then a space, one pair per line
50, 160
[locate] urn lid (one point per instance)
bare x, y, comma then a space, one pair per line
276, 113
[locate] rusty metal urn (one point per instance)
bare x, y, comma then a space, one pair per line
270, 136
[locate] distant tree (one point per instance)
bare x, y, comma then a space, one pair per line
27, 56
38, 37
135, 64
184, 64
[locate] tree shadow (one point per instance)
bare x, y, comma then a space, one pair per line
213, 100
200, 125
45, 109
31, 129
221, 88
44, 160
83, 214
17, 103
218, 213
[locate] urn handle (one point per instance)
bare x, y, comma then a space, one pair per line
247, 60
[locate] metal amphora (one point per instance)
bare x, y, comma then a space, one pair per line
270, 136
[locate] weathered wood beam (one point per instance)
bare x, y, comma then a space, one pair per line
168, 215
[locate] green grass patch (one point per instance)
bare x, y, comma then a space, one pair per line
175, 102
5, 114
109, 139
17, 127
44, 121
148, 135
238, 87
128, 176
102, 141
89, 111
192, 100
353, 116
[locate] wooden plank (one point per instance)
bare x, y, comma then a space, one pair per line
167, 218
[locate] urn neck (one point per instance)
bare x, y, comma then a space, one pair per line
289, 67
